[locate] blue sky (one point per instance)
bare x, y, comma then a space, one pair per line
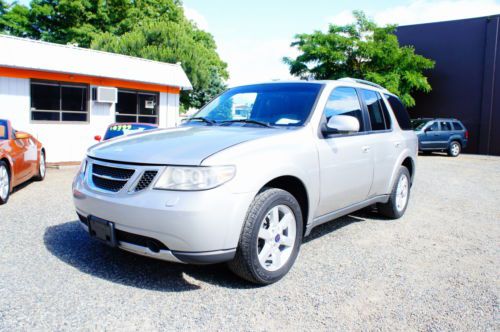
253, 35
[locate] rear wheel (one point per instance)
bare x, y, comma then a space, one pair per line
398, 200
4, 183
270, 239
454, 149
42, 167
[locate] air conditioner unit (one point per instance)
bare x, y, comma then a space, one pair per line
103, 94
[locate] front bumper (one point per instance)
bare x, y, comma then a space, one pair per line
195, 227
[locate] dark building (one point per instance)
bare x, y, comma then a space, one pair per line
466, 79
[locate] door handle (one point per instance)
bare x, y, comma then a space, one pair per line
365, 149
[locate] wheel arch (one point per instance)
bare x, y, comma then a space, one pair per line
410, 165
297, 189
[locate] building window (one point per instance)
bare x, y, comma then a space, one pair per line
59, 102
137, 106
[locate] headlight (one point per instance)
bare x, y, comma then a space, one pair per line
83, 167
194, 178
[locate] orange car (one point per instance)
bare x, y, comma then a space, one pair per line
22, 157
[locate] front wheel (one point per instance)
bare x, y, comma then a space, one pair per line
398, 199
4, 183
270, 239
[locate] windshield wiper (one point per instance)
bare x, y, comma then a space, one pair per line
261, 123
202, 119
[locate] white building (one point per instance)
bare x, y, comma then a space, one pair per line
65, 95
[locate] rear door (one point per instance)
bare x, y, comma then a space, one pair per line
385, 144
445, 134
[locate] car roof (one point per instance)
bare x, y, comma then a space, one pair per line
354, 82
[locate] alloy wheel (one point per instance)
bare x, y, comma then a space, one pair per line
402, 193
4, 183
42, 167
276, 238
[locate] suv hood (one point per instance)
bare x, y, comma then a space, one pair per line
177, 146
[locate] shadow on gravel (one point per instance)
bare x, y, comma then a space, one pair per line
335, 224
72, 245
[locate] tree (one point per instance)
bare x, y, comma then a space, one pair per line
151, 29
362, 50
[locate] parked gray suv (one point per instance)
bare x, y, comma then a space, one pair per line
252, 173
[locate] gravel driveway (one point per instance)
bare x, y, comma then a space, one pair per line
435, 269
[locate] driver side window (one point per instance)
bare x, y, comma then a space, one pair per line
344, 101
433, 127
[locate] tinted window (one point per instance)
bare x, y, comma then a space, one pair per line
445, 126
457, 126
54, 101
277, 104
433, 127
344, 101
74, 98
400, 112
379, 117
136, 106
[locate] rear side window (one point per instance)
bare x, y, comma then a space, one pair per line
344, 101
445, 126
457, 126
399, 112
379, 116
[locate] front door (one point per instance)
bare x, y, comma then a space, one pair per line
346, 162
431, 136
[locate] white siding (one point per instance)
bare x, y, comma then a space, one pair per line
68, 141
169, 110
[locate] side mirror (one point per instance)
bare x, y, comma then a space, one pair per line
98, 138
341, 124
21, 135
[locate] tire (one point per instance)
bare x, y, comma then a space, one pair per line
42, 168
4, 183
454, 149
262, 235
395, 208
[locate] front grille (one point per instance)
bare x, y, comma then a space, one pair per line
108, 184
114, 172
110, 178
145, 180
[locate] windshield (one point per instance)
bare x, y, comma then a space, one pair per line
126, 129
275, 104
4, 133
418, 124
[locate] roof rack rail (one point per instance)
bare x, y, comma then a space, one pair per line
357, 80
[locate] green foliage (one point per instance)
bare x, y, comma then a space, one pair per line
151, 29
362, 50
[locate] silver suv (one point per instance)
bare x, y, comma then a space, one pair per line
249, 175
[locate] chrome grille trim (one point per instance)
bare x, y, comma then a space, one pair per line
114, 178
